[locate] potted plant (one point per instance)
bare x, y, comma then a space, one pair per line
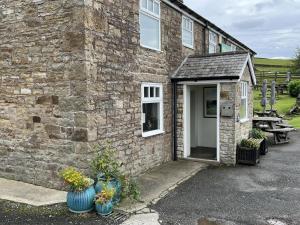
107, 170
259, 134
80, 198
103, 201
248, 151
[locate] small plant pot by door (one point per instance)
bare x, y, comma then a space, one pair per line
81, 202
263, 149
104, 209
247, 156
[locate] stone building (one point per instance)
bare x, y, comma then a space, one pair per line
79, 72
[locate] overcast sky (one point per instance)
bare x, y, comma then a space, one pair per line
269, 27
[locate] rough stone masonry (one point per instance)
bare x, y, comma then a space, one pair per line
71, 74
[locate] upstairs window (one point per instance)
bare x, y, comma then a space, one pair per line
152, 109
233, 48
187, 32
212, 42
244, 101
150, 24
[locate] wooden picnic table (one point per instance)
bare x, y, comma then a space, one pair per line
266, 122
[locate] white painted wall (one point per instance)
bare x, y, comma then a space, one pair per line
203, 130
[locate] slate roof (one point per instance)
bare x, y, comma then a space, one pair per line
212, 67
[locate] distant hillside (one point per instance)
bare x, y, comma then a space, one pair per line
272, 65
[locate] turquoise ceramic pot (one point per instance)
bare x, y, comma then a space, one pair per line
81, 202
118, 189
104, 209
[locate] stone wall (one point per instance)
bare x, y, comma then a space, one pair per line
71, 75
41, 90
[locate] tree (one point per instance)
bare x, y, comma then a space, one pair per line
296, 62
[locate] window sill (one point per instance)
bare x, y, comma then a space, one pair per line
150, 48
188, 46
244, 120
152, 133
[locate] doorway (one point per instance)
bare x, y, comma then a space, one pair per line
201, 119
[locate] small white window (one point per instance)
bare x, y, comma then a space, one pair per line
187, 32
212, 42
244, 101
152, 109
150, 24
233, 48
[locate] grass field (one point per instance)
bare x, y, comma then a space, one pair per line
273, 62
283, 105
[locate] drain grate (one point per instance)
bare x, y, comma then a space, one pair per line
117, 217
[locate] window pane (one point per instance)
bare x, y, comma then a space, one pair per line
243, 112
144, 4
151, 92
150, 5
146, 92
156, 8
187, 37
157, 92
149, 31
152, 115
212, 48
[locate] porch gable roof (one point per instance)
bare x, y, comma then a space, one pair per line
219, 66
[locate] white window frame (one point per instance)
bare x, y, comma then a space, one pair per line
145, 100
152, 15
184, 29
244, 95
212, 41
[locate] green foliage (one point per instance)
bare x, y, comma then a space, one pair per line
257, 134
105, 195
105, 162
296, 62
249, 143
130, 188
294, 88
75, 179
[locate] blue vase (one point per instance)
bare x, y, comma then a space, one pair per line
99, 185
118, 189
104, 209
81, 202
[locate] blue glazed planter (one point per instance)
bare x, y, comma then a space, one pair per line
104, 209
99, 185
118, 189
81, 202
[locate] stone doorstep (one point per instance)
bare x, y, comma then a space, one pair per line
30, 194
158, 182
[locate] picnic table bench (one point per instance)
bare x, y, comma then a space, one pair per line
280, 134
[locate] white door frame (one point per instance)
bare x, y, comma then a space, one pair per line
187, 120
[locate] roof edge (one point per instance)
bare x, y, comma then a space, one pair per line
205, 78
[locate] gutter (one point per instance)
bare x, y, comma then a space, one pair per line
174, 130
205, 78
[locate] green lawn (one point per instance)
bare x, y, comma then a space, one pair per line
277, 62
283, 104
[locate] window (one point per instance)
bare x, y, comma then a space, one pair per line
212, 42
233, 48
187, 32
152, 109
244, 101
150, 24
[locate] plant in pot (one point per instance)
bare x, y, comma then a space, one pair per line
260, 135
107, 170
80, 198
103, 200
248, 151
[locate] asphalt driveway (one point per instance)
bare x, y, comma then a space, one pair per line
268, 193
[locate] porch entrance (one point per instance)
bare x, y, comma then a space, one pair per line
201, 110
